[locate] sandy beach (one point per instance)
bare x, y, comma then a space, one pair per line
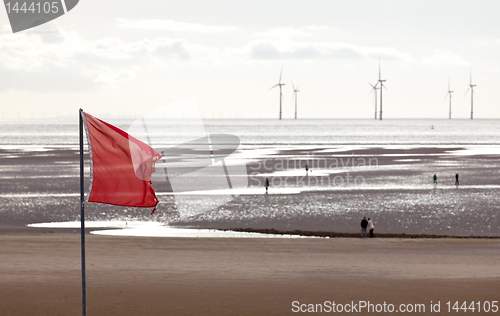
40, 273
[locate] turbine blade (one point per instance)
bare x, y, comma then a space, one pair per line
379, 71
281, 74
273, 86
293, 86
373, 86
445, 96
466, 91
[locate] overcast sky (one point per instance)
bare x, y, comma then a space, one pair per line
127, 57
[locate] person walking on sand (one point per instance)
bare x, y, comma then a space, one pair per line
307, 169
371, 227
364, 224
456, 179
435, 179
267, 184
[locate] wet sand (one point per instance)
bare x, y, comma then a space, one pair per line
40, 274
42, 185
330, 234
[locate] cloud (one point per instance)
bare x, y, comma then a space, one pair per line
281, 32
31, 56
441, 57
56, 79
170, 25
287, 49
296, 43
289, 32
32, 52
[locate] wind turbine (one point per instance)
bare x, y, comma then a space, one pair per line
381, 86
279, 84
375, 88
295, 90
471, 88
449, 94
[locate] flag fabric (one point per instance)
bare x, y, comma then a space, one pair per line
121, 166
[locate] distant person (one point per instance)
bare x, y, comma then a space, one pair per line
267, 184
435, 179
371, 227
456, 179
364, 224
307, 169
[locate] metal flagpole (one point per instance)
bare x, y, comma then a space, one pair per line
82, 218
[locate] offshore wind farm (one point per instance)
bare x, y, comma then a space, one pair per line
471, 89
374, 91
379, 85
279, 84
295, 90
448, 94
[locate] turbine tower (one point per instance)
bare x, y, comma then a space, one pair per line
279, 84
471, 88
375, 90
449, 94
295, 90
381, 86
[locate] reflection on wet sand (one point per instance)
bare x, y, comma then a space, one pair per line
397, 192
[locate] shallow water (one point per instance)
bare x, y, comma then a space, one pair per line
155, 229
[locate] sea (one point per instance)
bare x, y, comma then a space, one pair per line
426, 132
39, 172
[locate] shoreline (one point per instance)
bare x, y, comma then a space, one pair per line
355, 235
34, 231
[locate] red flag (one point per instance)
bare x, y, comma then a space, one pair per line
121, 166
